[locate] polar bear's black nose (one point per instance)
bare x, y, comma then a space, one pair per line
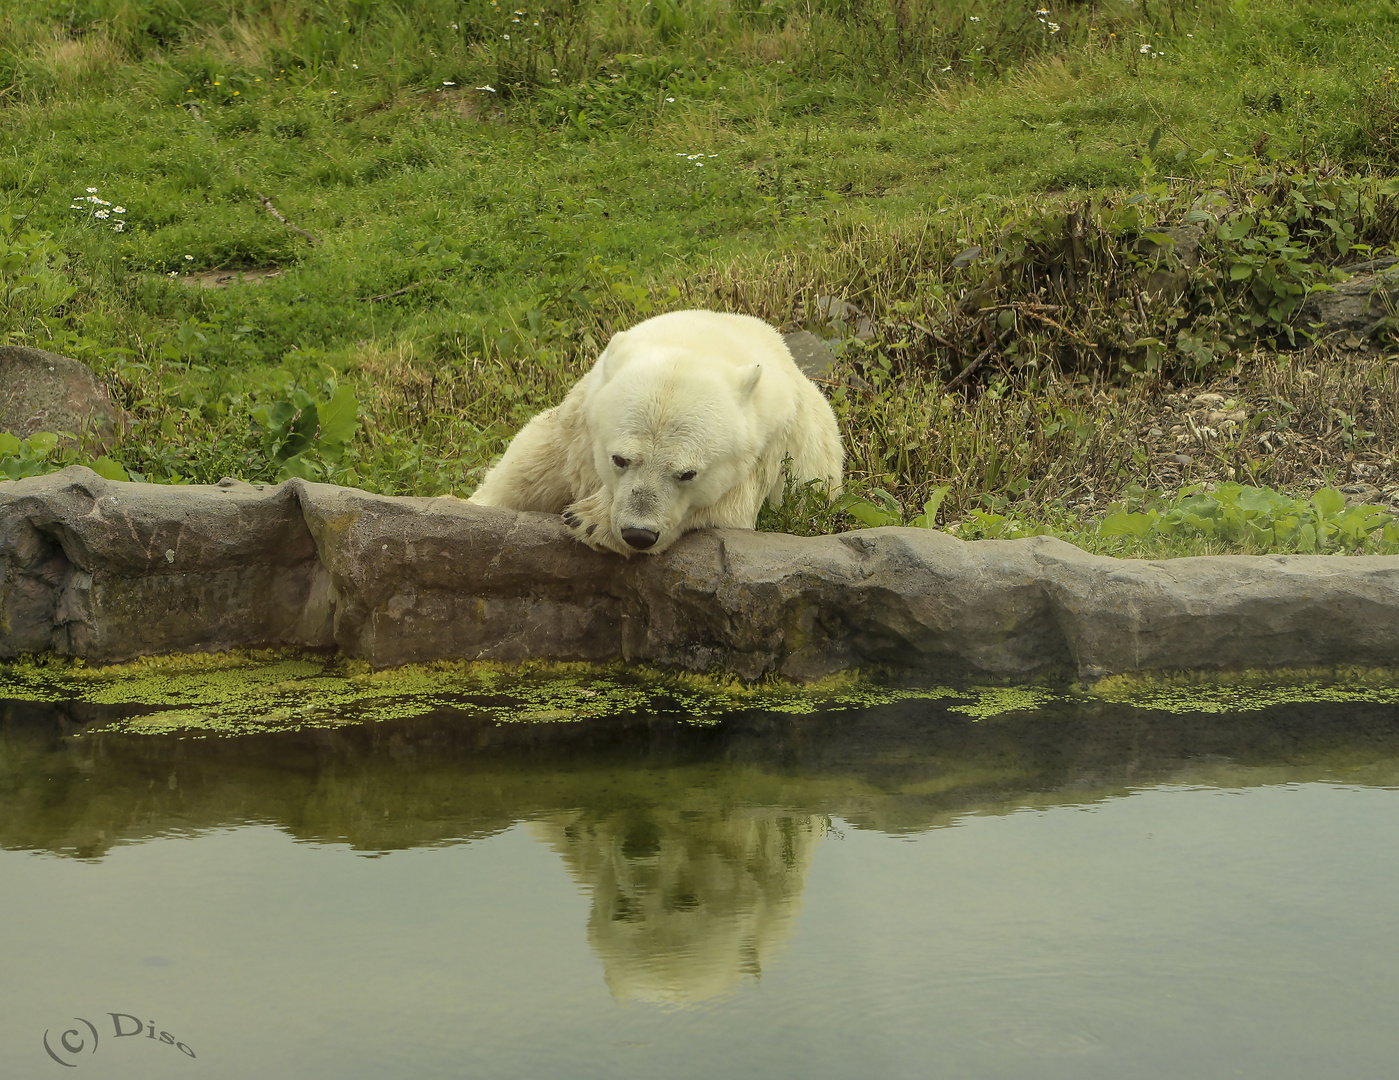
641, 539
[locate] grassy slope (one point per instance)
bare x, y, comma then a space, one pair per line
531, 224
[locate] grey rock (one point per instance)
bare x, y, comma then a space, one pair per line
811, 354
42, 391
110, 571
1183, 243
1169, 277
1357, 306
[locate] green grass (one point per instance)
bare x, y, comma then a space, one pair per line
851, 148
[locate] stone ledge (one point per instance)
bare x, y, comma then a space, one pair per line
109, 571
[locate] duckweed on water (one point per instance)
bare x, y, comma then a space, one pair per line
237, 693
265, 691
1247, 691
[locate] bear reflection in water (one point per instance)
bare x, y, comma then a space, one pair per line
684, 905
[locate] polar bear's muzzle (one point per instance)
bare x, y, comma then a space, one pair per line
638, 526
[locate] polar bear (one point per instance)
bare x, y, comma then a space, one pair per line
684, 422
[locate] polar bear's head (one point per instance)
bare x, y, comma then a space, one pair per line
672, 433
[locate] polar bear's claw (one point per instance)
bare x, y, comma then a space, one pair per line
588, 520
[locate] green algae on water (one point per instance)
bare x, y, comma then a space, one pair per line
1247, 691
249, 692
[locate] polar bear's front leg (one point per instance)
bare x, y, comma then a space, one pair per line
590, 521
534, 472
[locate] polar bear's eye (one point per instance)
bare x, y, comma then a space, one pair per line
620, 461
686, 477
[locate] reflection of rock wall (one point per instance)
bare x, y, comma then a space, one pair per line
685, 904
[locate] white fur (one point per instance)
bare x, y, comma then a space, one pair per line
693, 391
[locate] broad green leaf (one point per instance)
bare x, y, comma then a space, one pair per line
301, 437
299, 467
9, 445
870, 514
339, 416
108, 469
41, 442
1123, 523
1329, 502
928, 519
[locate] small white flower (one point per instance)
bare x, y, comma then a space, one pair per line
1144, 49
104, 214
174, 273
75, 206
948, 68
1053, 27
670, 99
506, 36
974, 18
355, 66
119, 209
119, 226
454, 26
699, 164
448, 82
488, 88
189, 258
1041, 11
335, 91
92, 191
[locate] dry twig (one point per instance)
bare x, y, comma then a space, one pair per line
390, 295
981, 358
267, 203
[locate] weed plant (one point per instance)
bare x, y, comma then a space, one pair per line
1120, 199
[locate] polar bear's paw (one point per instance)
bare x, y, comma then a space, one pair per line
590, 521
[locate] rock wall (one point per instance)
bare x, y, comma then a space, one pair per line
109, 571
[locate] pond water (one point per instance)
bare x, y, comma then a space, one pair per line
896, 891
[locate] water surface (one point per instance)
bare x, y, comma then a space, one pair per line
901, 891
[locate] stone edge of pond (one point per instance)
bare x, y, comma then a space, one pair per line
109, 571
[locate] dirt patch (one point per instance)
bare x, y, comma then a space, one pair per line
468, 102
223, 279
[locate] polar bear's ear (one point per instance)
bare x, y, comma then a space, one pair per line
748, 381
607, 362
603, 373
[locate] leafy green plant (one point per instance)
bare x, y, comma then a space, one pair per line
33, 286
300, 436
885, 509
1259, 518
45, 452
